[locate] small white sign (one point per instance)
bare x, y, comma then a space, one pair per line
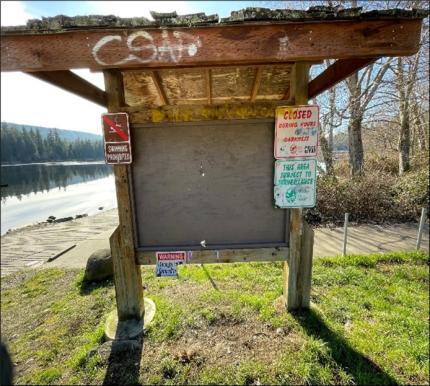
167, 263
296, 131
295, 183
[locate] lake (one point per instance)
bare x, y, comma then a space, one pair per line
37, 191
60, 189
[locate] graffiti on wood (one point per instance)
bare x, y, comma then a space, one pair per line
143, 47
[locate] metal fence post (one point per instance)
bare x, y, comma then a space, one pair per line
345, 233
421, 226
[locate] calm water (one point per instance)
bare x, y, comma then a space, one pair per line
37, 191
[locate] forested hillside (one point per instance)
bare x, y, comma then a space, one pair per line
22, 145
70, 135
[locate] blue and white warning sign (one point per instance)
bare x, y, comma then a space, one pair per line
167, 263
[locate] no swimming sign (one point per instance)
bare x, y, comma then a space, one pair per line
116, 135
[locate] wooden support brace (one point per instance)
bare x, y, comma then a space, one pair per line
256, 83
127, 275
69, 81
208, 74
224, 256
338, 71
298, 269
159, 86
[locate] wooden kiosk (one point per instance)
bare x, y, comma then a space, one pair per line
201, 95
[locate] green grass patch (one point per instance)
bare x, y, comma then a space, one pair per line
226, 324
371, 260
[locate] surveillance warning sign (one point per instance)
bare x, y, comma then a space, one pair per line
295, 183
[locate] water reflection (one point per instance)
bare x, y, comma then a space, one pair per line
25, 179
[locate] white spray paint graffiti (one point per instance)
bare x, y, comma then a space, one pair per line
172, 48
283, 44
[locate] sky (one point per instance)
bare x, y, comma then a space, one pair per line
27, 100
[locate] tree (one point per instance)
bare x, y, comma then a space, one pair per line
21, 145
328, 122
406, 78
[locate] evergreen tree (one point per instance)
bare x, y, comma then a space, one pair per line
22, 145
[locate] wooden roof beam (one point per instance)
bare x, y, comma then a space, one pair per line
256, 84
69, 81
208, 46
338, 71
216, 66
159, 86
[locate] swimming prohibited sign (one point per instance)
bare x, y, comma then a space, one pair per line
167, 263
295, 183
116, 135
296, 131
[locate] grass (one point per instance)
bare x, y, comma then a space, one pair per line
226, 324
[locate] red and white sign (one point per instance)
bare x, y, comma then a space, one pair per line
296, 131
116, 135
179, 257
167, 263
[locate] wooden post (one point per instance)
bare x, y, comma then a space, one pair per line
298, 269
127, 275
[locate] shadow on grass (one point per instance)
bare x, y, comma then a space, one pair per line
362, 369
210, 277
124, 362
86, 288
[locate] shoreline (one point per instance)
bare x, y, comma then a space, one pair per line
34, 245
44, 224
69, 162
326, 225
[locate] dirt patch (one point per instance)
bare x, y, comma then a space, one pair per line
225, 343
229, 341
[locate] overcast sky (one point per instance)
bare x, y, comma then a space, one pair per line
27, 100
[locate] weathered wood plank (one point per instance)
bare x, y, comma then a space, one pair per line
338, 71
128, 282
224, 256
234, 44
299, 84
69, 81
127, 274
297, 271
191, 113
292, 267
264, 66
305, 269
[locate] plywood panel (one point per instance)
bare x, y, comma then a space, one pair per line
184, 85
189, 86
274, 82
232, 83
140, 90
209, 181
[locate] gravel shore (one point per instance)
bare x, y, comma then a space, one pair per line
32, 245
